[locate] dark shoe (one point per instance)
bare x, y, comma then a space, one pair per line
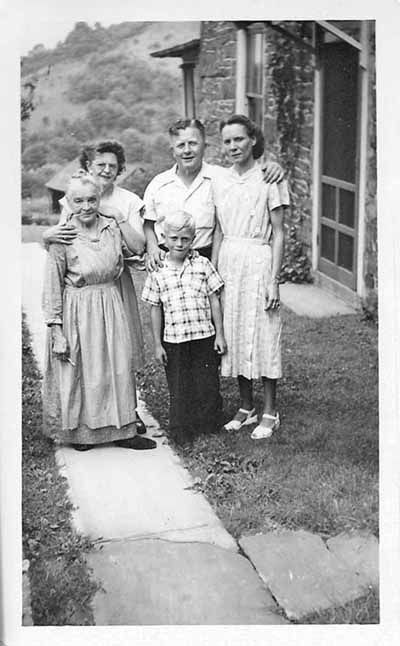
137, 442
82, 447
140, 427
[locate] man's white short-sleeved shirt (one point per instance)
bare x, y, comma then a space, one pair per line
167, 194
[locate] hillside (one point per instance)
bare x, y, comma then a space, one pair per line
51, 69
102, 83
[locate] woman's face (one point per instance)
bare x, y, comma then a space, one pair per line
83, 200
104, 168
236, 143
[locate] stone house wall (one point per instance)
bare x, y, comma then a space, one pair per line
288, 120
288, 126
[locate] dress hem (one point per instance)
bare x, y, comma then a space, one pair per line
86, 435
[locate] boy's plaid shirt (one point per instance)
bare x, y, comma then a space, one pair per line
183, 293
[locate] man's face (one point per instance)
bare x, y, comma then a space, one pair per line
188, 150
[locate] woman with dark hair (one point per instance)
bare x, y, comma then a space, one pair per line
105, 161
248, 251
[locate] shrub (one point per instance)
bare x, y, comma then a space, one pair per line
35, 155
296, 266
134, 143
104, 115
33, 181
36, 211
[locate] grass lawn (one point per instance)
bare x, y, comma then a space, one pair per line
61, 588
319, 472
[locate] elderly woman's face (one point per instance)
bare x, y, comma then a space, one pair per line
104, 168
83, 200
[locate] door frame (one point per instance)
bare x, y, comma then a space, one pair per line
362, 131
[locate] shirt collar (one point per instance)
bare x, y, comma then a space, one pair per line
171, 176
188, 260
104, 222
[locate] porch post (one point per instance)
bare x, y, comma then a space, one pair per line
364, 72
188, 89
241, 63
316, 173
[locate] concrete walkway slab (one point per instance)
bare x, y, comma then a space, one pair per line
302, 574
120, 493
310, 300
161, 582
124, 494
360, 551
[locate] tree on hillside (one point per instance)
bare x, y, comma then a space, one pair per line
27, 104
104, 115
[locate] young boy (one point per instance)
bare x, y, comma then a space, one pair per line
184, 299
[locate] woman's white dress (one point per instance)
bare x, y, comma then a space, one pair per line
253, 335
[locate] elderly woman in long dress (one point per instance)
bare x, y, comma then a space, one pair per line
105, 161
89, 395
248, 253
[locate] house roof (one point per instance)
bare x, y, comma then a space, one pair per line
178, 51
59, 181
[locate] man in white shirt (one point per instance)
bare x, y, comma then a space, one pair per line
187, 186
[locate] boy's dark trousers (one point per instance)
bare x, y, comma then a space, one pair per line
193, 382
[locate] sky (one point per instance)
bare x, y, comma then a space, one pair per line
49, 21
45, 22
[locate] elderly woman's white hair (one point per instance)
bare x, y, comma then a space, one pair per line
178, 221
82, 178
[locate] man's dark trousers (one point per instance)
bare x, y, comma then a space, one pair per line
193, 382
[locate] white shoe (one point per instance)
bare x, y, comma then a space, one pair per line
262, 432
236, 425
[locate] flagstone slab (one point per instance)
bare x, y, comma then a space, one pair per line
301, 573
121, 493
312, 301
155, 582
360, 551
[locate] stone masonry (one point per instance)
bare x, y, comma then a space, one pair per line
288, 119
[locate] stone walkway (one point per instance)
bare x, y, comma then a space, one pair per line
163, 557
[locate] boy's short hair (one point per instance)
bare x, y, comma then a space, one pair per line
178, 221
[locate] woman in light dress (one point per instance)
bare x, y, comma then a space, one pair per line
248, 251
105, 161
89, 395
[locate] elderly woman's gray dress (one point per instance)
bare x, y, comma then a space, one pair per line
92, 401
